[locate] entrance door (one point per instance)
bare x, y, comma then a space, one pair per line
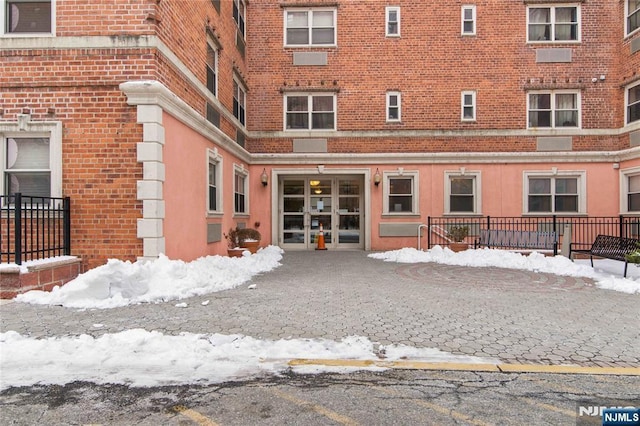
307, 203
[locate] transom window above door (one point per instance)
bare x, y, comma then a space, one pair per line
310, 27
310, 111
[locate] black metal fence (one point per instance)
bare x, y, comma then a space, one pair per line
33, 228
583, 229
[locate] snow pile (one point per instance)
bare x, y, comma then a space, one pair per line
121, 283
602, 272
148, 358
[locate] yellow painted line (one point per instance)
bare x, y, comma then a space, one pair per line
404, 365
548, 407
568, 369
454, 366
336, 417
435, 407
194, 415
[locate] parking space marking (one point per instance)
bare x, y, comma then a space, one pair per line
549, 407
551, 385
435, 407
339, 418
194, 415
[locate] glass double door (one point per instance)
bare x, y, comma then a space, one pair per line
333, 204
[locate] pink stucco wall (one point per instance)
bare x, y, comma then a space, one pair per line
185, 188
185, 193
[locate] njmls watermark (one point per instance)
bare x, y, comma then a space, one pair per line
608, 412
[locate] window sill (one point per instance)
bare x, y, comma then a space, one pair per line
400, 215
215, 215
466, 214
568, 214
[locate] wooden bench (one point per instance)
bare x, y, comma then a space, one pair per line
518, 240
608, 247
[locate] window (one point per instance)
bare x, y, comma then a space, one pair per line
401, 193
214, 182
27, 167
239, 102
468, 105
239, 13
216, 5
553, 23
632, 8
468, 25
393, 21
27, 16
633, 193
393, 106
554, 109
559, 192
212, 70
240, 191
633, 103
461, 191
310, 27
310, 111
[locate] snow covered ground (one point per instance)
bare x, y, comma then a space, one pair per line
146, 358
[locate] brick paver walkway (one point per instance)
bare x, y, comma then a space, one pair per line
515, 316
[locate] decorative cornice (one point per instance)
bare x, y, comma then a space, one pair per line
151, 92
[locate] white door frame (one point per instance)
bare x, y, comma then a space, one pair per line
276, 173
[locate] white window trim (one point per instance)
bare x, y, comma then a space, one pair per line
473, 19
581, 175
415, 193
241, 5
244, 105
473, 104
241, 170
553, 23
3, 22
477, 192
389, 9
310, 95
399, 106
626, 104
213, 46
312, 9
627, 33
624, 188
214, 157
553, 94
51, 130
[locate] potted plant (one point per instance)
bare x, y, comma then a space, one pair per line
457, 234
233, 243
249, 238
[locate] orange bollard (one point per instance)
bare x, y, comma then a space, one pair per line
320, 239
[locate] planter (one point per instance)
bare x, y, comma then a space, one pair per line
251, 245
235, 252
456, 247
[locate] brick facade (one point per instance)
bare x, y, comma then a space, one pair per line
76, 76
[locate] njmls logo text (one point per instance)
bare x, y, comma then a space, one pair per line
612, 415
599, 411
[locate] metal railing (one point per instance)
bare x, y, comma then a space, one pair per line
33, 228
583, 229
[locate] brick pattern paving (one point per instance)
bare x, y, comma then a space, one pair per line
515, 316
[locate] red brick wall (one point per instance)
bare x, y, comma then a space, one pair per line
80, 88
431, 63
